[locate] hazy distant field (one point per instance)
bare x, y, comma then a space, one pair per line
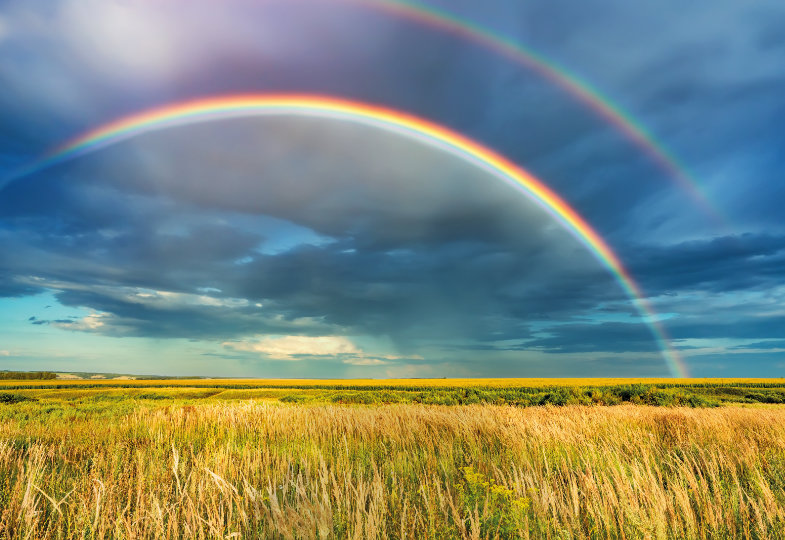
199, 459
462, 383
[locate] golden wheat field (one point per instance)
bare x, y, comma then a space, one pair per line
76, 466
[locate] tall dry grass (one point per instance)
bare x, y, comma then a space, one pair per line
258, 470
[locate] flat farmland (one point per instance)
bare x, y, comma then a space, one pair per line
517, 392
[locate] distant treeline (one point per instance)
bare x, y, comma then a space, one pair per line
175, 382
26, 375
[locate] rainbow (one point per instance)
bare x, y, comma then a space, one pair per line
429, 133
557, 75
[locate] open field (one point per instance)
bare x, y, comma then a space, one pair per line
184, 461
518, 392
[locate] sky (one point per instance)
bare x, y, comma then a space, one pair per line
305, 246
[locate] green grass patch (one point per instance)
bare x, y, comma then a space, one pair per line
659, 395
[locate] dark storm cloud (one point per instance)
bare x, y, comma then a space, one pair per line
745, 325
573, 338
389, 190
458, 289
426, 248
11, 288
609, 337
771, 344
452, 263
452, 80
712, 96
469, 289
137, 316
722, 264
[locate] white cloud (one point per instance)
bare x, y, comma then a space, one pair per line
89, 323
298, 347
121, 38
365, 362
5, 353
171, 300
290, 347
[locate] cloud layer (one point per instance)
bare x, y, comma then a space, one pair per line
349, 248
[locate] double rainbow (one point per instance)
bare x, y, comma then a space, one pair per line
559, 76
429, 133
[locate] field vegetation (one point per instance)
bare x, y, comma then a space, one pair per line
517, 392
234, 460
27, 375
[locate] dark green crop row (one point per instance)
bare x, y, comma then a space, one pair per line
637, 394
643, 394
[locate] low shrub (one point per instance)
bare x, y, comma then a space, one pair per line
766, 397
294, 398
9, 399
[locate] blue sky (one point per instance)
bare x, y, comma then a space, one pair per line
306, 247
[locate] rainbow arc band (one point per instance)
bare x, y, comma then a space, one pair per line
559, 76
434, 135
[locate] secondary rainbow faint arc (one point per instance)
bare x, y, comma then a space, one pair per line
435, 135
558, 75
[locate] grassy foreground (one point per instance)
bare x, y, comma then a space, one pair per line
141, 468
